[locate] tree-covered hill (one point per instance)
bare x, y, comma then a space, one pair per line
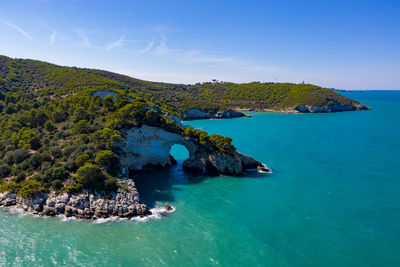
28, 75
55, 135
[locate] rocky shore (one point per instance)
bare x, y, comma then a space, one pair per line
124, 203
330, 108
197, 114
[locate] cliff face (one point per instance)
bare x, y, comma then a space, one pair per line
146, 146
330, 108
196, 114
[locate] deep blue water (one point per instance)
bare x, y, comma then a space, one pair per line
333, 199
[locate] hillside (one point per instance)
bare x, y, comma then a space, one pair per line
20, 74
66, 130
55, 136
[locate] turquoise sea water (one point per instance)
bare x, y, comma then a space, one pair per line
333, 199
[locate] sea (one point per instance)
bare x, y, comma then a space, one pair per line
332, 199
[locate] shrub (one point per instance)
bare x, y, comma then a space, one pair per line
68, 150
56, 184
110, 185
20, 177
90, 177
16, 156
81, 127
56, 152
38, 158
4, 170
83, 138
107, 158
81, 160
70, 165
60, 173
72, 189
49, 126
30, 188
10, 187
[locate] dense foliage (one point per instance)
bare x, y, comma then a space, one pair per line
54, 135
17, 74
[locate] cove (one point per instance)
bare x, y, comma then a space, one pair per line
332, 200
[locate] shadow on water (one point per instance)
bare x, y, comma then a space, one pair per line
159, 185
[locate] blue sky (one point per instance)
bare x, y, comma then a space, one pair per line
341, 44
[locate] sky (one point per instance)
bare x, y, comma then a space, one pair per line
341, 44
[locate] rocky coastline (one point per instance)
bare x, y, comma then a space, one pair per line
197, 114
141, 147
312, 109
124, 203
330, 108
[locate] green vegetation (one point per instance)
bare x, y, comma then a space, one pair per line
27, 75
53, 135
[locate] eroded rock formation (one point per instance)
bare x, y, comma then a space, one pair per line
196, 114
149, 145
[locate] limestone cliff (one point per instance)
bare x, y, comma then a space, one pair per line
150, 146
338, 107
196, 114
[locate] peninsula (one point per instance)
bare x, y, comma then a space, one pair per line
70, 137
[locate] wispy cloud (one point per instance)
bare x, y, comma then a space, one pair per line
172, 77
162, 49
190, 56
120, 42
85, 42
52, 37
147, 48
198, 56
15, 27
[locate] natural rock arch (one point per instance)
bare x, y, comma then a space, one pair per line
150, 145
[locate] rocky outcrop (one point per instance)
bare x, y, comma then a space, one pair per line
338, 107
227, 114
150, 146
220, 163
124, 203
196, 114
147, 146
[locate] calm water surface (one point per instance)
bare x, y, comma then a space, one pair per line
333, 200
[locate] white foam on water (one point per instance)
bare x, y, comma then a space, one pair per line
255, 170
268, 168
156, 214
109, 220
